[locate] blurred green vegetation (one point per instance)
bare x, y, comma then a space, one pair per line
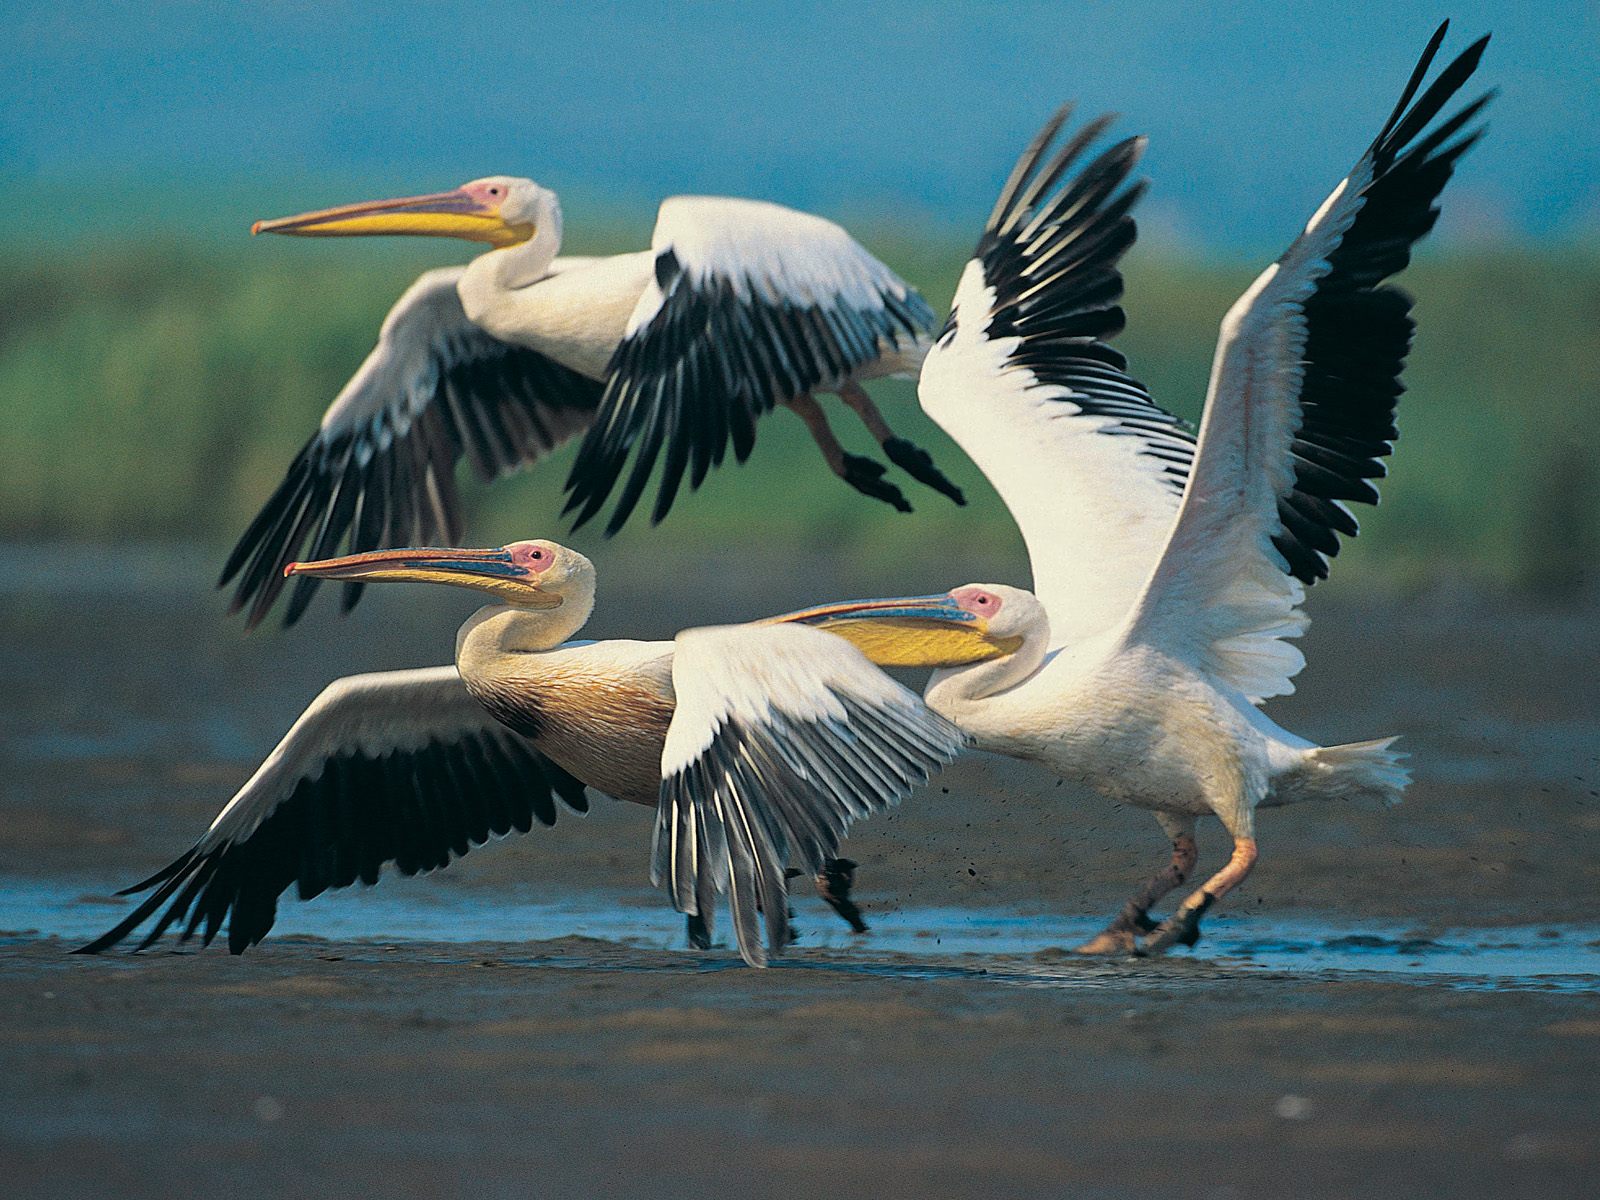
156, 389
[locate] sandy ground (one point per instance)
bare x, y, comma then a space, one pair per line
584, 1067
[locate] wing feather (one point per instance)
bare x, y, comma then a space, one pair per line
1023, 378
750, 305
401, 768
782, 737
1301, 407
380, 471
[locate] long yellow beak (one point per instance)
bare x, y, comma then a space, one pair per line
908, 631
456, 213
491, 571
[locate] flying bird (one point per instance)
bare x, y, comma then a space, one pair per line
412, 769
1170, 569
669, 354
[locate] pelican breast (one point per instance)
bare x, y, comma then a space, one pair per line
600, 717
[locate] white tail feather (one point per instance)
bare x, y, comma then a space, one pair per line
1354, 771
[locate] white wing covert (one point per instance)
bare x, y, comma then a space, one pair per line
380, 471
401, 768
1301, 406
1023, 379
750, 305
783, 736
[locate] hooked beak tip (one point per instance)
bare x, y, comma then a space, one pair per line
291, 569
255, 228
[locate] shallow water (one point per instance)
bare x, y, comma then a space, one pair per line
907, 940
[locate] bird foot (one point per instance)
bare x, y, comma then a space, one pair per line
834, 882
1109, 941
1182, 928
866, 476
1121, 936
918, 463
699, 931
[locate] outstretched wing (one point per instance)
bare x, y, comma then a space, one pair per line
1301, 405
401, 768
381, 469
750, 305
1024, 380
783, 736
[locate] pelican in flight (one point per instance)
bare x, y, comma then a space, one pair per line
670, 353
1170, 570
414, 768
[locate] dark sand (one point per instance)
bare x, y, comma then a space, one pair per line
573, 1066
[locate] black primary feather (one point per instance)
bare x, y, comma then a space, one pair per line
413, 809
715, 357
1359, 330
392, 481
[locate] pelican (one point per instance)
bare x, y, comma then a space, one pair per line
1170, 570
739, 306
414, 768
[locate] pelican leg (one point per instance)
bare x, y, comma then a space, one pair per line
912, 459
863, 474
1183, 927
1121, 936
834, 881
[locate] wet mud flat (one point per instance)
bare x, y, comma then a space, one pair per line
584, 1067
1398, 1003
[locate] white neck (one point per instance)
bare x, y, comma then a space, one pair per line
489, 286
499, 633
956, 689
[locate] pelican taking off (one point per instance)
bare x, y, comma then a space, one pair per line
1170, 571
670, 353
413, 768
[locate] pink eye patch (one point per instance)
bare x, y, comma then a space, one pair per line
977, 601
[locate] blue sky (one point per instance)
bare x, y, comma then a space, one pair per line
887, 110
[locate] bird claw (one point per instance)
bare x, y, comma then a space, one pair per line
1182, 928
698, 930
866, 476
918, 463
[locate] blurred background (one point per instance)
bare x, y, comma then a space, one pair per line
158, 368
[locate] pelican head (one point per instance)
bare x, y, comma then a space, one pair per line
501, 210
525, 575
969, 624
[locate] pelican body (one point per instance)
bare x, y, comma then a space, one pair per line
667, 357
775, 736
1172, 568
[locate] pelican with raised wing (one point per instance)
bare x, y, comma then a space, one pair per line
1173, 569
668, 354
413, 768
1170, 570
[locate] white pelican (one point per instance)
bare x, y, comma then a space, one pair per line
737, 307
1171, 571
413, 768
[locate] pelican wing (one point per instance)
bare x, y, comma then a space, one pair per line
783, 736
401, 768
1023, 379
1302, 401
750, 305
381, 469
